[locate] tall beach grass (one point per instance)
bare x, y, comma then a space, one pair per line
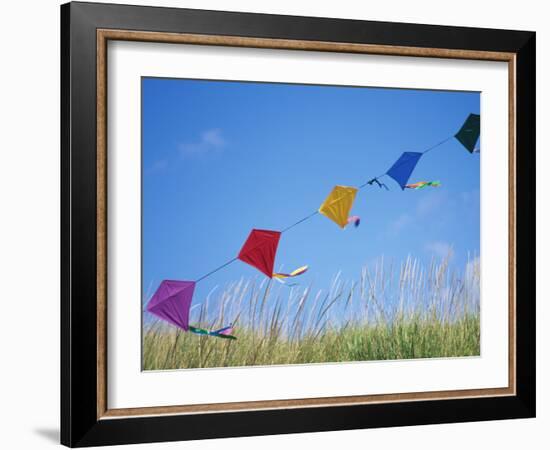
389, 312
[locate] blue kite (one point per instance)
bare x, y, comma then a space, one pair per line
403, 168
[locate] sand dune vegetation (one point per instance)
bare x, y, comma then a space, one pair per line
389, 312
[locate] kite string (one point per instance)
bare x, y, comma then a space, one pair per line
216, 269
405, 162
300, 221
317, 212
437, 145
368, 182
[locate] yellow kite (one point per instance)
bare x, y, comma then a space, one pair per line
338, 204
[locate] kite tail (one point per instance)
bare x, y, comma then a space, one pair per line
356, 220
423, 184
224, 333
294, 273
225, 330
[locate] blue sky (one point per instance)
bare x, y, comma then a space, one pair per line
220, 158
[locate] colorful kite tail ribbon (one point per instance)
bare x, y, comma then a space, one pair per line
294, 273
225, 330
423, 184
356, 220
224, 333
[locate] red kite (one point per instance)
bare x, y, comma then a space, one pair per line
260, 249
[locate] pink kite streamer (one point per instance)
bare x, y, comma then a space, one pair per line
356, 220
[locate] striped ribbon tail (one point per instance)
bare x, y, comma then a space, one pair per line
294, 273
423, 184
224, 333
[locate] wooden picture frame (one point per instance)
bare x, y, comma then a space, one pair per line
86, 418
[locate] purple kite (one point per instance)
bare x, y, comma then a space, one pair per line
172, 301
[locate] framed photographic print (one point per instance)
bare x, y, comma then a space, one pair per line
276, 224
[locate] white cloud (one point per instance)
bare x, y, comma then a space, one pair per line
399, 224
210, 140
213, 137
440, 249
470, 197
430, 202
427, 204
157, 166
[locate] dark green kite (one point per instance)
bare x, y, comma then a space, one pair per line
469, 133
